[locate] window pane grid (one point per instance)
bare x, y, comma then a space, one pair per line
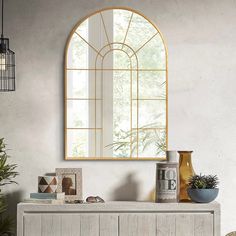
122, 69
84, 99
140, 130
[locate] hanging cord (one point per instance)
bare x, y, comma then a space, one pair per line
2, 19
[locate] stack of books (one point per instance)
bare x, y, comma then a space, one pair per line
46, 198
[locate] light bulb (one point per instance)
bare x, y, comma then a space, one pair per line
2, 61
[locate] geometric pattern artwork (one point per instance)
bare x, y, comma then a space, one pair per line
47, 184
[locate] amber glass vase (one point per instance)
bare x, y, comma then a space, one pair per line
185, 172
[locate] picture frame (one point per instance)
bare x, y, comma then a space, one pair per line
70, 182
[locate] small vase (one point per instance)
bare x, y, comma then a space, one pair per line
47, 184
185, 172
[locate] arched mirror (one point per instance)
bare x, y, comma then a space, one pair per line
115, 88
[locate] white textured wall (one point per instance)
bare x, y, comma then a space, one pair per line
201, 37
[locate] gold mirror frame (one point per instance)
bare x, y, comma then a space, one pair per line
65, 88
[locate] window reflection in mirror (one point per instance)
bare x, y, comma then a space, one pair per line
115, 88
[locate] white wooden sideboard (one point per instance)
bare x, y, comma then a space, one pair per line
119, 219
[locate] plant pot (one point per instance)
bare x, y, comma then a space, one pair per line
203, 195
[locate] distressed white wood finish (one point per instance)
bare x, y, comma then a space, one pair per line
137, 224
165, 224
203, 226
32, 225
119, 219
197, 224
120, 207
70, 225
109, 224
51, 225
89, 225
184, 225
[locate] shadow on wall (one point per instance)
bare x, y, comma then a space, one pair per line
151, 195
128, 190
12, 200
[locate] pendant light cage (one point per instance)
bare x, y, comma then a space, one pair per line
7, 64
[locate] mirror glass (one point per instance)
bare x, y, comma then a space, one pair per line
115, 88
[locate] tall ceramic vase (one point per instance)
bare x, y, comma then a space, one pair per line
185, 172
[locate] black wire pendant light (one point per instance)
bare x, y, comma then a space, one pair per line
7, 63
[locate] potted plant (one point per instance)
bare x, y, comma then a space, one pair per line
7, 174
203, 188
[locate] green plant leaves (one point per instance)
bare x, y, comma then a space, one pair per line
146, 136
203, 181
6, 225
7, 174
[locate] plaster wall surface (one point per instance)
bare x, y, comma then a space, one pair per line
201, 40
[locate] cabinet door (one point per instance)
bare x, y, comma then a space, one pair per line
70, 225
89, 225
166, 225
99, 225
124, 224
203, 225
187, 224
32, 225
109, 225
137, 224
51, 224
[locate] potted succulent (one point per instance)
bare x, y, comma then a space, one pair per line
203, 188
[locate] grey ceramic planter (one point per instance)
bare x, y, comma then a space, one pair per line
203, 195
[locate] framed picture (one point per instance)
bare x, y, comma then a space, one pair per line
70, 182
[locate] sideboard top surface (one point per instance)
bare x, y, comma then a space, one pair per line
120, 206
